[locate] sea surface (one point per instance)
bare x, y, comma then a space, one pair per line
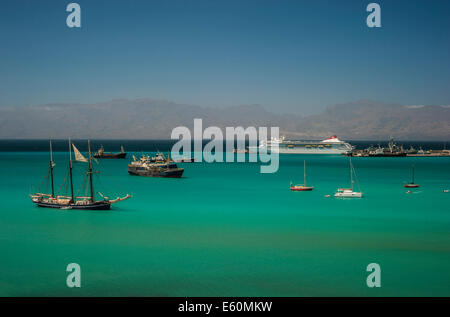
224, 229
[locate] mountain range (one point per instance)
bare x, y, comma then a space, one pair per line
155, 119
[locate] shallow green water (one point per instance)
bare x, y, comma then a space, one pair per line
227, 230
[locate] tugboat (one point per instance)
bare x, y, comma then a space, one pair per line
412, 184
301, 188
157, 166
50, 200
348, 192
102, 154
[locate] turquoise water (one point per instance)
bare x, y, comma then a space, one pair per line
224, 229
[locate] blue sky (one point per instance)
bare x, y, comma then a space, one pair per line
290, 56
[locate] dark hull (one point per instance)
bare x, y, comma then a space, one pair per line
98, 205
388, 155
186, 160
364, 154
171, 173
111, 156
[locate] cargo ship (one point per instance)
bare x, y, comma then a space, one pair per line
107, 155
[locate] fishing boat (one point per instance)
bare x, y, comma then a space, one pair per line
157, 166
349, 192
303, 187
412, 184
88, 202
107, 155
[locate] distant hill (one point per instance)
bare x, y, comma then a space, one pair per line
369, 120
155, 119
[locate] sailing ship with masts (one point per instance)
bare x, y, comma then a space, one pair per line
89, 202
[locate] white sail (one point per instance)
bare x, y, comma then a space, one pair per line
78, 156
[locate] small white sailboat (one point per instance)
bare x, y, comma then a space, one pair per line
349, 192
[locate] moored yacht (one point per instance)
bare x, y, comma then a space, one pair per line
349, 192
303, 187
411, 184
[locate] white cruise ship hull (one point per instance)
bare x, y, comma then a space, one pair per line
331, 145
300, 150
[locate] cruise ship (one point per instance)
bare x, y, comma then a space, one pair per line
332, 145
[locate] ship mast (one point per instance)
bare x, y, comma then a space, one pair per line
413, 174
304, 173
90, 172
351, 173
51, 169
70, 172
